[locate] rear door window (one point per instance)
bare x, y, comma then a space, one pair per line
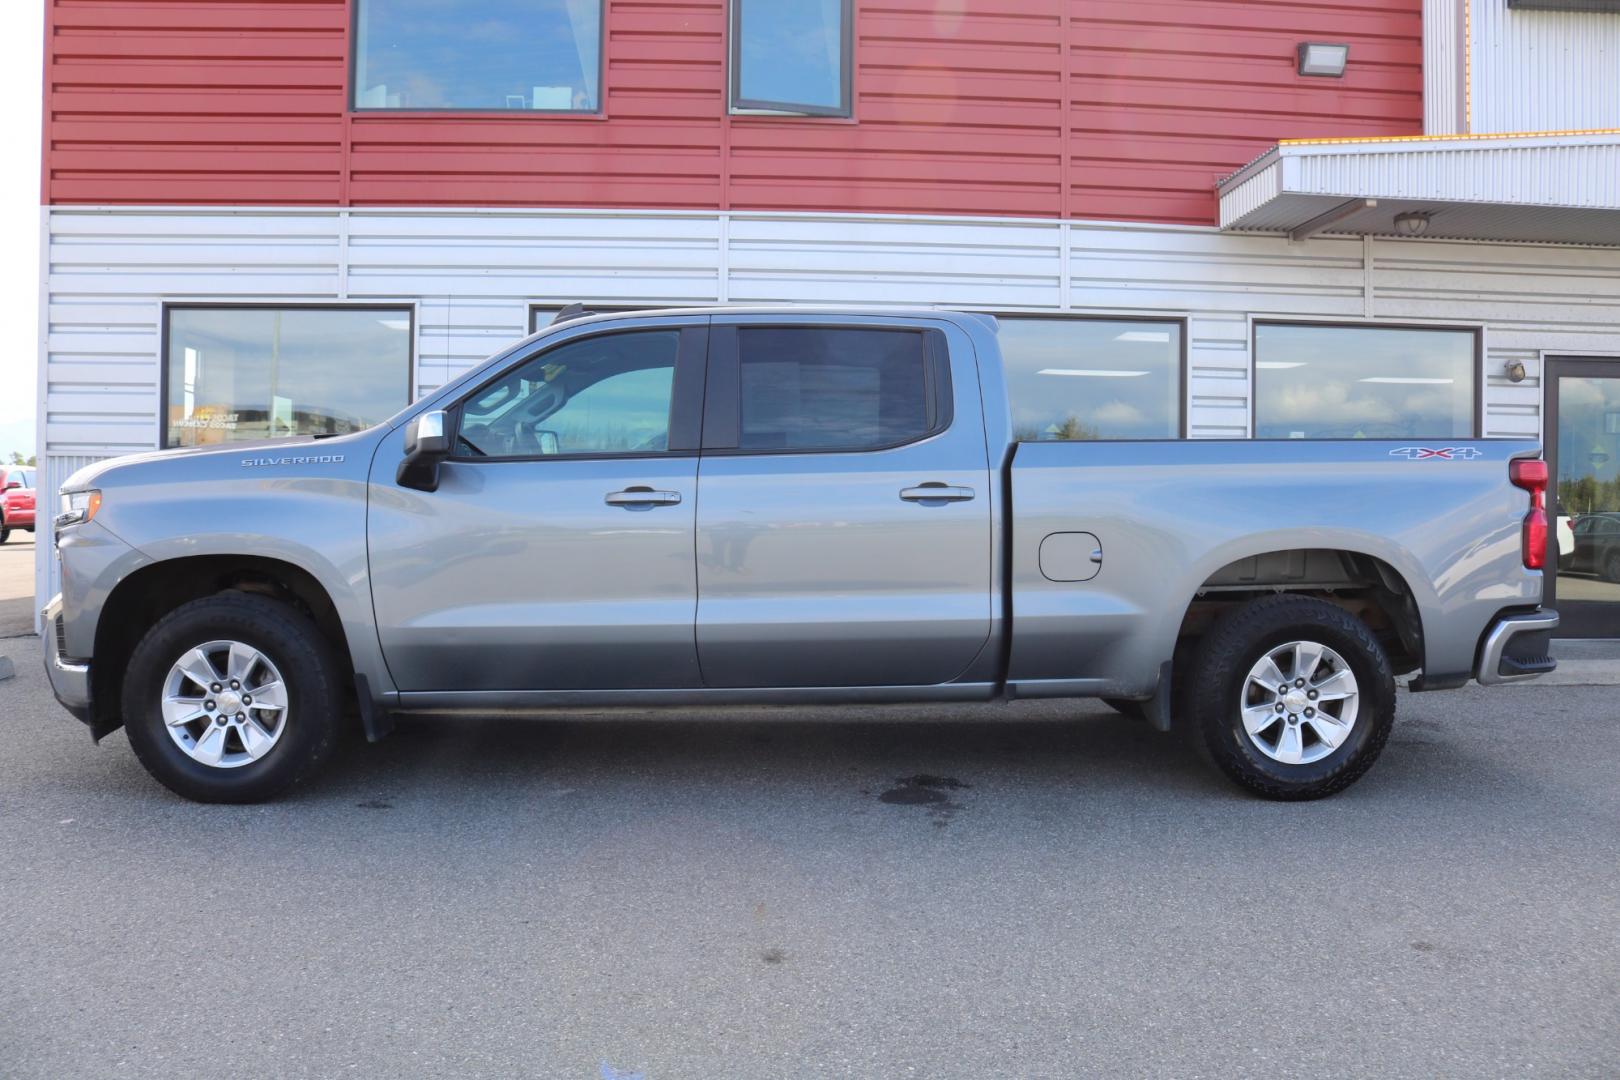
835, 388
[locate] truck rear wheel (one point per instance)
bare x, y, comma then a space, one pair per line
1293, 696
232, 699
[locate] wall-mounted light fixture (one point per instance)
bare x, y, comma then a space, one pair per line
1514, 369
1413, 222
1323, 58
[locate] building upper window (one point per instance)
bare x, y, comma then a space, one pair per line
1071, 379
497, 55
791, 56
1363, 382
238, 373
1566, 5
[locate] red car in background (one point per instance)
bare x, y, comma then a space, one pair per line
16, 499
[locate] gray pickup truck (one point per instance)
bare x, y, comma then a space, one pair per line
783, 505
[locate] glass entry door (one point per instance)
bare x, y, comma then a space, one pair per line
1583, 449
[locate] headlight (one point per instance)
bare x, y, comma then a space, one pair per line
78, 507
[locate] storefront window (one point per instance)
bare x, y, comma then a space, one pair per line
541, 315
517, 55
241, 373
1363, 382
791, 56
1072, 379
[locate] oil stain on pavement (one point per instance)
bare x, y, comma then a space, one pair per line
927, 790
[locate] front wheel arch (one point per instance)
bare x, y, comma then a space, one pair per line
148, 594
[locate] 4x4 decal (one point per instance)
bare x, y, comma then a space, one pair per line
1444, 453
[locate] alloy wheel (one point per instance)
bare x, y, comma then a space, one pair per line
224, 704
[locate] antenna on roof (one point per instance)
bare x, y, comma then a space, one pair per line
569, 313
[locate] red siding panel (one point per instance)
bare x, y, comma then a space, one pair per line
1125, 109
1175, 94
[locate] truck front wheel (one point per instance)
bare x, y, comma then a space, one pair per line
232, 699
1293, 696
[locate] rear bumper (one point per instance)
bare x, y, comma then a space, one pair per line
70, 681
1500, 663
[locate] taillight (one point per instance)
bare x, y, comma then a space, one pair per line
1531, 475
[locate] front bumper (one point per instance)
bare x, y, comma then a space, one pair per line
1497, 664
70, 681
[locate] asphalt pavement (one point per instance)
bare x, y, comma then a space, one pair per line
1036, 890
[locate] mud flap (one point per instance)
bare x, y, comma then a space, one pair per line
1157, 711
377, 721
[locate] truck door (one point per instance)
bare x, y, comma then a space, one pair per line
844, 516
557, 552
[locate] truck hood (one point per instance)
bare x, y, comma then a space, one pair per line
288, 453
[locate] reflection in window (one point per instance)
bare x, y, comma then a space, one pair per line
608, 394
1072, 379
265, 373
519, 55
791, 55
1362, 382
1587, 500
804, 388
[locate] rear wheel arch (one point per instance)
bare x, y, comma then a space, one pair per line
1365, 585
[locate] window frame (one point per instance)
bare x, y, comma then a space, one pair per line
685, 398
1599, 7
722, 403
737, 104
352, 71
408, 309
1179, 321
1476, 372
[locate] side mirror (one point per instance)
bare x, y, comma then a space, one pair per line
14, 485
427, 444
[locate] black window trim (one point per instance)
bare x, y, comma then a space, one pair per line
1476, 373
685, 400
722, 405
744, 105
407, 308
1179, 321
352, 70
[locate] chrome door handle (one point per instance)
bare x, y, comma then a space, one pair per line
936, 493
642, 496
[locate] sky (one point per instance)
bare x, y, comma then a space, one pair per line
21, 55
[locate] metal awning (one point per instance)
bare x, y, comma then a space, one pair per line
1556, 188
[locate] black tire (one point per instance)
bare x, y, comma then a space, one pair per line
5, 531
1218, 676
1136, 710
287, 638
1611, 567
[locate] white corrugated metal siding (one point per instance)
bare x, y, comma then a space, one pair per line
472, 276
1542, 70
1536, 172
1443, 67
